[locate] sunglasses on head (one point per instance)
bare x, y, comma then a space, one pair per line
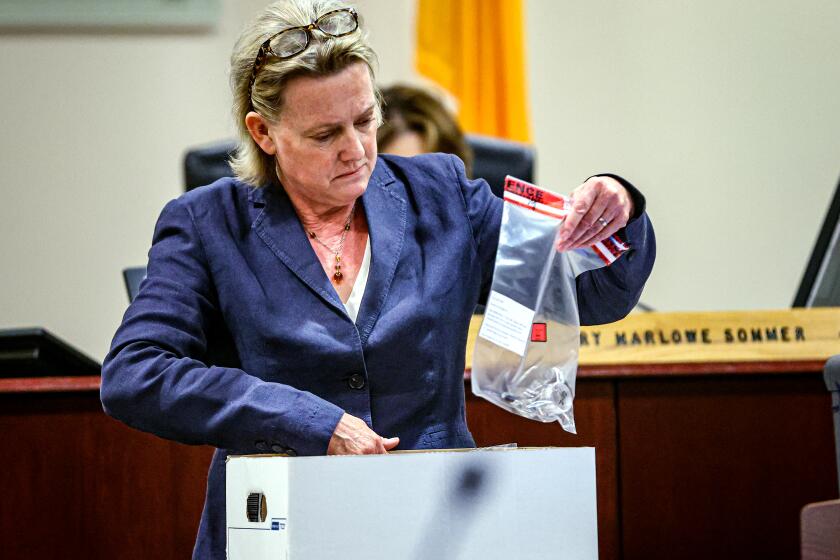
291, 42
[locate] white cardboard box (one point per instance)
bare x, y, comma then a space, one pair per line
476, 504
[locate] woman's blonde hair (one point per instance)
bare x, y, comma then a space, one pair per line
324, 56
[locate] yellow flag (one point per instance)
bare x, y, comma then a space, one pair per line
475, 50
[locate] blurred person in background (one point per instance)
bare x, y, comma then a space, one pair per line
415, 121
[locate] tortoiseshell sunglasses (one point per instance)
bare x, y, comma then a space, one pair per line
294, 40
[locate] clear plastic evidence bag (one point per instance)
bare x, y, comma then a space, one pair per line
526, 354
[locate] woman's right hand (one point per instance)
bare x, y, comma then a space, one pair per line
353, 437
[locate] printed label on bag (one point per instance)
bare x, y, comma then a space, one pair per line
507, 323
610, 249
525, 195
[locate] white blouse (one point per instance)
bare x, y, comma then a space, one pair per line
355, 300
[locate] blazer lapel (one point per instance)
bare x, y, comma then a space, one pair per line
386, 218
279, 228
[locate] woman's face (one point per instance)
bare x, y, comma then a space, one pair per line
325, 138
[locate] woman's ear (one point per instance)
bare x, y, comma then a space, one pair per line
258, 128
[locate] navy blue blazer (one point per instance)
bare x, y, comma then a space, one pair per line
238, 340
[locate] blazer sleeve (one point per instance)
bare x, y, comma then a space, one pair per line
604, 295
484, 214
608, 294
154, 379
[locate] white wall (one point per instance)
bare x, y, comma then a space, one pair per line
726, 116
94, 127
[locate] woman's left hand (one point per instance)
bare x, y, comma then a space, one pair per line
601, 206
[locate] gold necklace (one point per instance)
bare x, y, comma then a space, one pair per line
337, 276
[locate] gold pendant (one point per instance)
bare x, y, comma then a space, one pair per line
338, 275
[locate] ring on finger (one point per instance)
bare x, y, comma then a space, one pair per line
603, 222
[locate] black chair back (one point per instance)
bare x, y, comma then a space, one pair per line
207, 164
494, 158
132, 277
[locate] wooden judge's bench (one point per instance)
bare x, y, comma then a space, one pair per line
697, 459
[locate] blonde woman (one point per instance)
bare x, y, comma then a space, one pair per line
319, 302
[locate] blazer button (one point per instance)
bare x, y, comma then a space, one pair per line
356, 381
278, 448
291, 452
261, 445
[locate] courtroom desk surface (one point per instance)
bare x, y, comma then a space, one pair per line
693, 460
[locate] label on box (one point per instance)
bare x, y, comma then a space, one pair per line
507, 323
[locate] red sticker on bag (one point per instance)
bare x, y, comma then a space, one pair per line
539, 333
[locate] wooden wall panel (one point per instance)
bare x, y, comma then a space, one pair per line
720, 467
692, 462
78, 484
